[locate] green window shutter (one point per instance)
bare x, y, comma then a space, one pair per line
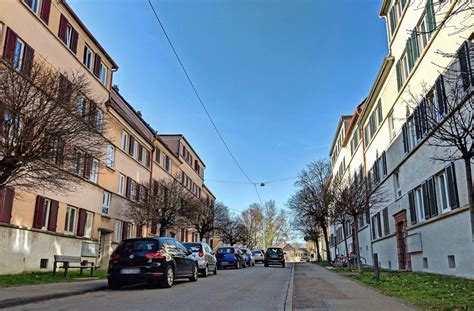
391, 15
409, 53
414, 45
399, 75
431, 15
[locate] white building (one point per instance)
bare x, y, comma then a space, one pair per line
425, 224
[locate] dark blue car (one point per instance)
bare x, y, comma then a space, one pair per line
229, 256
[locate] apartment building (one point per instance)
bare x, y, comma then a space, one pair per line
90, 221
424, 225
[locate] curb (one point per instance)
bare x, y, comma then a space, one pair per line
289, 293
7, 303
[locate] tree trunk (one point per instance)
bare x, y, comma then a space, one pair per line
470, 192
318, 254
355, 242
326, 241
345, 239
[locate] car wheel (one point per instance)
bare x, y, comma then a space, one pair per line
195, 275
206, 272
114, 285
168, 280
215, 270
265, 265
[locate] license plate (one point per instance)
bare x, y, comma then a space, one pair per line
274, 256
130, 271
224, 262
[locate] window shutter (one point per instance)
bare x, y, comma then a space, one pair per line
139, 231
424, 124
452, 187
137, 192
432, 197
465, 66
426, 201
45, 10
74, 41
431, 16
140, 152
10, 42
392, 20
28, 56
386, 228
399, 75
131, 145
147, 158
157, 156
384, 164
97, 62
81, 222
406, 145
53, 216
409, 51
379, 225
128, 187
416, 116
414, 45
7, 194
87, 166
124, 229
62, 28
39, 210
441, 95
411, 204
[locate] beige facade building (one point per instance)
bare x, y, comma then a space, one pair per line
90, 221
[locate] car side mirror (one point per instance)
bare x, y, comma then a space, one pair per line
188, 251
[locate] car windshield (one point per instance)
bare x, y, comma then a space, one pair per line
256, 252
138, 245
194, 247
274, 251
225, 250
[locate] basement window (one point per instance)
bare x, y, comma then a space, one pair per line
451, 262
44, 263
425, 263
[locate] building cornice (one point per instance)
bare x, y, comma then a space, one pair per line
384, 8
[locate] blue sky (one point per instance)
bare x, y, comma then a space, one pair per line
275, 74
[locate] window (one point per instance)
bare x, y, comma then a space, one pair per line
68, 34
69, 31
391, 125
35, 5
88, 224
386, 225
379, 113
133, 189
121, 184
132, 146
118, 231
76, 162
18, 54
168, 164
442, 191
103, 74
94, 170
423, 33
110, 156
70, 226
158, 156
99, 120
46, 211
123, 141
129, 230
88, 58
396, 183
419, 204
106, 203
80, 106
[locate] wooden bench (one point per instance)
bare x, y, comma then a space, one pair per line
71, 262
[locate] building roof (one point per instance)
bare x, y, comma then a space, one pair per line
84, 28
181, 136
341, 121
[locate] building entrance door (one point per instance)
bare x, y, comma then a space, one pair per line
404, 261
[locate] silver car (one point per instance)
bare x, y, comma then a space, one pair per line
204, 256
258, 255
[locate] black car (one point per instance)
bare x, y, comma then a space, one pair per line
274, 256
157, 259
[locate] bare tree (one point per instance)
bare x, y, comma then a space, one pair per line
233, 231
338, 214
252, 219
355, 197
315, 196
204, 216
49, 128
310, 230
275, 225
163, 204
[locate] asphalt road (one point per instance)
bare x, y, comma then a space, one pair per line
252, 288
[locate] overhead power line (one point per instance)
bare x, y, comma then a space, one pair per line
263, 183
201, 101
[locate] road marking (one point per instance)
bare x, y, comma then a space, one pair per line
289, 291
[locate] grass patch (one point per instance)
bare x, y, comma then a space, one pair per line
321, 263
45, 277
428, 291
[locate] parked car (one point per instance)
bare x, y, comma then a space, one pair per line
274, 256
229, 256
247, 254
304, 257
157, 259
204, 256
258, 255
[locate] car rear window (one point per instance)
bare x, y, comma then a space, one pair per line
256, 253
277, 251
141, 245
225, 250
195, 247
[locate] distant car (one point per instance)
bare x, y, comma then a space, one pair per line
258, 255
157, 259
274, 256
204, 256
229, 256
304, 257
248, 256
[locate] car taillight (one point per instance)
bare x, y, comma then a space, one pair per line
201, 254
114, 257
157, 255
236, 255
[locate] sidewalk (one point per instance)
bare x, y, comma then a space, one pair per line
20, 295
316, 288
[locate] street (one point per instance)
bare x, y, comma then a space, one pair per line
255, 288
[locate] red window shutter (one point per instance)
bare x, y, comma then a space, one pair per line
139, 231
53, 216
62, 28
7, 194
74, 41
45, 9
131, 145
97, 63
153, 228
9, 48
28, 59
81, 222
39, 210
